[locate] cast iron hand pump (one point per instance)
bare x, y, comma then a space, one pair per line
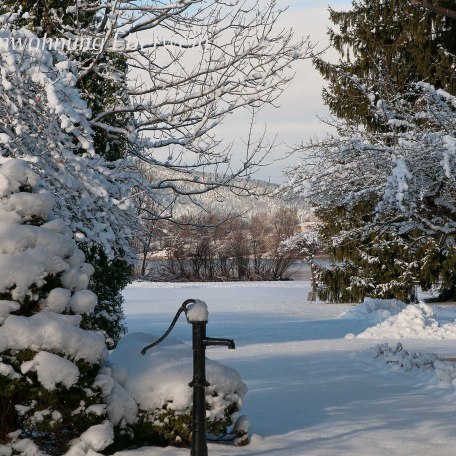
197, 315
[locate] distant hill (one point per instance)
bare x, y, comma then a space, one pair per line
247, 198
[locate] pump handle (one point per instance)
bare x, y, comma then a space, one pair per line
182, 308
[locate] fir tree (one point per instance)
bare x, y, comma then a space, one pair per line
383, 47
386, 200
48, 363
386, 39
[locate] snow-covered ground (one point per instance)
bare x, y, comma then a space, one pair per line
313, 391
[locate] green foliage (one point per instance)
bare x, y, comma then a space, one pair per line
167, 426
385, 266
109, 278
51, 418
396, 37
43, 17
141, 433
382, 44
101, 94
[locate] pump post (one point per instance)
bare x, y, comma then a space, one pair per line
199, 383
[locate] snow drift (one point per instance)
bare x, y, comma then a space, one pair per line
415, 321
375, 310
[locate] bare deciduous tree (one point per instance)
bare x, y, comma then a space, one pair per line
192, 63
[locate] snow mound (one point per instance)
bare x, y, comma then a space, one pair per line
416, 321
375, 310
163, 375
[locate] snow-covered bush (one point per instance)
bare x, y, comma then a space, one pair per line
45, 122
402, 359
443, 369
151, 397
48, 364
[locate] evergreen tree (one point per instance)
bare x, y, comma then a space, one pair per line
384, 46
48, 363
101, 88
380, 39
386, 200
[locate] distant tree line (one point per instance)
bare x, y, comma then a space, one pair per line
219, 250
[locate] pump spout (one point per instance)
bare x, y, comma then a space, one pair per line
215, 341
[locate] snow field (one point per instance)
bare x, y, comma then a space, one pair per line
311, 390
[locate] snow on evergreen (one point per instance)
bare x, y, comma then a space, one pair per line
386, 198
46, 123
47, 362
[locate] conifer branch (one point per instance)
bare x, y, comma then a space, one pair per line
435, 8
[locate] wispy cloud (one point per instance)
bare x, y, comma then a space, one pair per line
300, 106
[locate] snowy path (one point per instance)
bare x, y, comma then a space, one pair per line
311, 392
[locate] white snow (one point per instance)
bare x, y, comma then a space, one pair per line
121, 405
83, 301
55, 332
375, 310
29, 254
19, 174
52, 370
7, 371
7, 307
57, 300
311, 391
95, 439
416, 321
197, 311
241, 430
98, 437
26, 204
